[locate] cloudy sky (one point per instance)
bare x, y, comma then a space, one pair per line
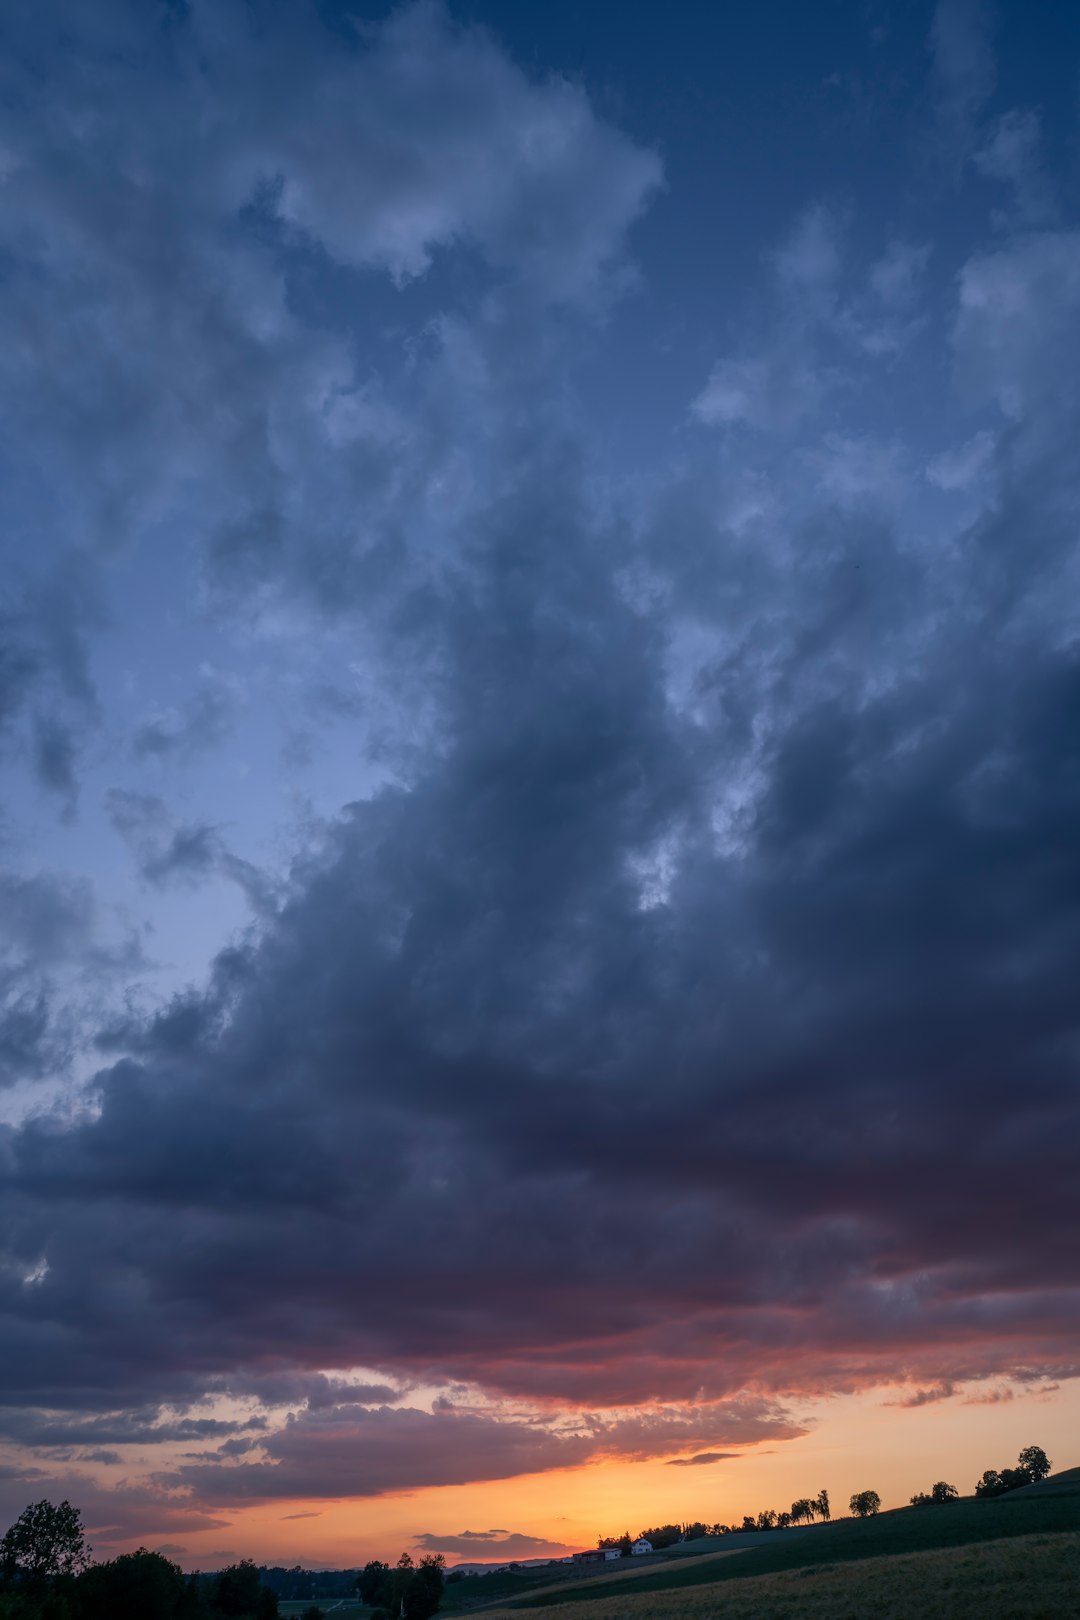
540, 726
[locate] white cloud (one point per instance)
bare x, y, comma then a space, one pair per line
1019, 313
767, 391
425, 135
857, 467
957, 470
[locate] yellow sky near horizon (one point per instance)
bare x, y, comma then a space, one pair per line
854, 1442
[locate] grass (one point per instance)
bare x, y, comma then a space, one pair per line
508, 1585
1024, 1577
1043, 1509
342, 1609
556, 1591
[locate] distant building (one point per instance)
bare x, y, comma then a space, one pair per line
641, 1545
612, 1552
593, 1555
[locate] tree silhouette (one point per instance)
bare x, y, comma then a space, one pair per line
371, 1583
45, 1541
864, 1503
134, 1586
1035, 1463
238, 1593
942, 1491
424, 1592
823, 1505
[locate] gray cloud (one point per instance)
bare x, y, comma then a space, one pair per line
54, 758
686, 1016
46, 687
60, 955
204, 722
172, 853
701, 1460
344, 1451
380, 1452
127, 1428
490, 1544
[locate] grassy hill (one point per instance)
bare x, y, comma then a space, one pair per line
1019, 1577
1046, 1509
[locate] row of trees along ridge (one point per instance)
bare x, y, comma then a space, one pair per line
1032, 1466
46, 1572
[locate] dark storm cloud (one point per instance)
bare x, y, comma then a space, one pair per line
695, 1009
131, 1428
472, 1108
313, 1390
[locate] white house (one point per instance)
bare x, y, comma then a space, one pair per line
610, 1553
641, 1545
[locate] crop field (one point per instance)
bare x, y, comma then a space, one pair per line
1038, 1509
1032, 1577
340, 1608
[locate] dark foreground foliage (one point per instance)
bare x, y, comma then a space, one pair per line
45, 1574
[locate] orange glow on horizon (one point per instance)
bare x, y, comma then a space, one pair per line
854, 1442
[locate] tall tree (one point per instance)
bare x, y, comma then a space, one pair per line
424, 1592
45, 1541
371, 1584
1035, 1463
238, 1593
135, 1586
823, 1504
864, 1503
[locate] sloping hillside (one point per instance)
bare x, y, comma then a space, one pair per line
1049, 1508
1015, 1578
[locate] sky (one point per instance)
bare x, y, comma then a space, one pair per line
540, 732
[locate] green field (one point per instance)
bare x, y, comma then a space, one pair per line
1036, 1510
340, 1608
1033, 1577
923, 1549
